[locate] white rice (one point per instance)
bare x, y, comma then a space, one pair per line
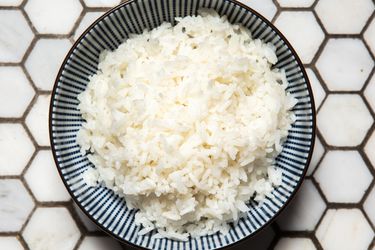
185, 122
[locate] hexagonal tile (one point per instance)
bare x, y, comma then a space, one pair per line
369, 35
16, 36
56, 17
344, 229
37, 120
10, 2
51, 228
317, 155
370, 149
99, 243
343, 176
101, 3
369, 206
10, 243
89, 224
15, 92
15, 205
15, 147
370, 92
295, 244
344, 120
302, 30
43, 168
266, 7
45, 60
296, 3
345, 64
318, 91
342, 16
86, 21
305, 210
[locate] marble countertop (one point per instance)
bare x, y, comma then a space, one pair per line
335, 208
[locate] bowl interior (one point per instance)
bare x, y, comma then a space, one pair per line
108, 210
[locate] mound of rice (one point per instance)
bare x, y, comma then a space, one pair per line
185, 123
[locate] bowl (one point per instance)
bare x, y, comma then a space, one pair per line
108, 210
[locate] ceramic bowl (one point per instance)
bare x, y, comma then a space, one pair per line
108, 210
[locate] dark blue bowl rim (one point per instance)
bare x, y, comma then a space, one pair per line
312, 142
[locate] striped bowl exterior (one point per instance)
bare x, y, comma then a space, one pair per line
108, 210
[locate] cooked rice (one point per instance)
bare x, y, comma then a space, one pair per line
184, 122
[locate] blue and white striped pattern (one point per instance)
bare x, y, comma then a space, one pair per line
109, 210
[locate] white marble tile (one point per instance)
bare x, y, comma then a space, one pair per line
37, 120
302, 31
370, 149
318, 91
15, 147
101, 3
344, 229
296, 3
15, 92
16, 36
344, 16
295, 244
10, 2
265, 7
370, 92
99, 243
56, 17
15, 205
344, 120
45, 60
343, 176
43, 168
51, 228
317, 155
87, 222
10, 243
345, 64
86, 21
369, 36
369, 205
305, 210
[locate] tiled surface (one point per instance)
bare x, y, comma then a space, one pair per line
355, 231
295, 244
56, 17
15, 92
345, 64
52, 187
305, 210
344, 120
305, 22
16, 35
45, 60
51, 228
15, 205
344, 16
343, 176
335, 208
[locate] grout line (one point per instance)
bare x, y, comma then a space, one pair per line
367, 24
23, 242
369, 78
372, 245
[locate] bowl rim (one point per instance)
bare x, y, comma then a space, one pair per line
312, 141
